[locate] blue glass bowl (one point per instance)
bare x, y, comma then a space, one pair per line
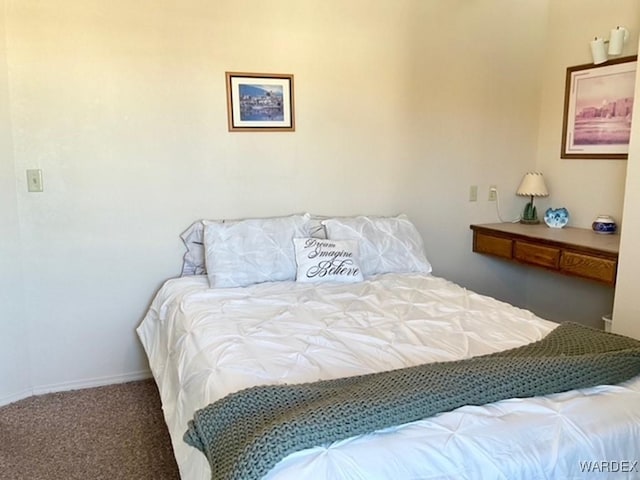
556, 217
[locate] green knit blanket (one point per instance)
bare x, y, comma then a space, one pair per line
246, 433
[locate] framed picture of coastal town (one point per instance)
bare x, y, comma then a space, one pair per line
598, 102
260, 102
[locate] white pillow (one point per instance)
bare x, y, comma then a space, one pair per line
251, 251
327, 260
193, 261
387, 244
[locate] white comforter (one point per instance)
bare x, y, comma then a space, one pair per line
204, 343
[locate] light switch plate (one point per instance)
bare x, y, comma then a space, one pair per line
473, 193
34, 180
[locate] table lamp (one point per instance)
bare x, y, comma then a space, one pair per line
532, 185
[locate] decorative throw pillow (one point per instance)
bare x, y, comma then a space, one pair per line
251, 251
322, 260
387, 244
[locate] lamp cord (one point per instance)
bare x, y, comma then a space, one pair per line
515, 220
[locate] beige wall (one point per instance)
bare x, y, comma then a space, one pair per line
14, 345
626, 312
400, 107
586, 187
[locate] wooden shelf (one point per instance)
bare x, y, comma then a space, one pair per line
572, 251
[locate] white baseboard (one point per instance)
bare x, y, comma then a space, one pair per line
76, 385
14, 397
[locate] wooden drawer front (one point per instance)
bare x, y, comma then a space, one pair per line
492, 245
586, 266
536, 254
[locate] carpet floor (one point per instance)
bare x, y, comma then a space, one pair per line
113, 432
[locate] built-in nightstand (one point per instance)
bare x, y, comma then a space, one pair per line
578, 252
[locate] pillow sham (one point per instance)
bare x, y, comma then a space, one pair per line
251, 251
193, 262
322, 260
387, 244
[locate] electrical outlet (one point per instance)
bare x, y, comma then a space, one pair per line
493, 193
473, 193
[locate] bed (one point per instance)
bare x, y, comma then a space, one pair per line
252, 308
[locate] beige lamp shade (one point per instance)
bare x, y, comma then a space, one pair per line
532, 185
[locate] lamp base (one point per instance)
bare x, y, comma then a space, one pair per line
529, 222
